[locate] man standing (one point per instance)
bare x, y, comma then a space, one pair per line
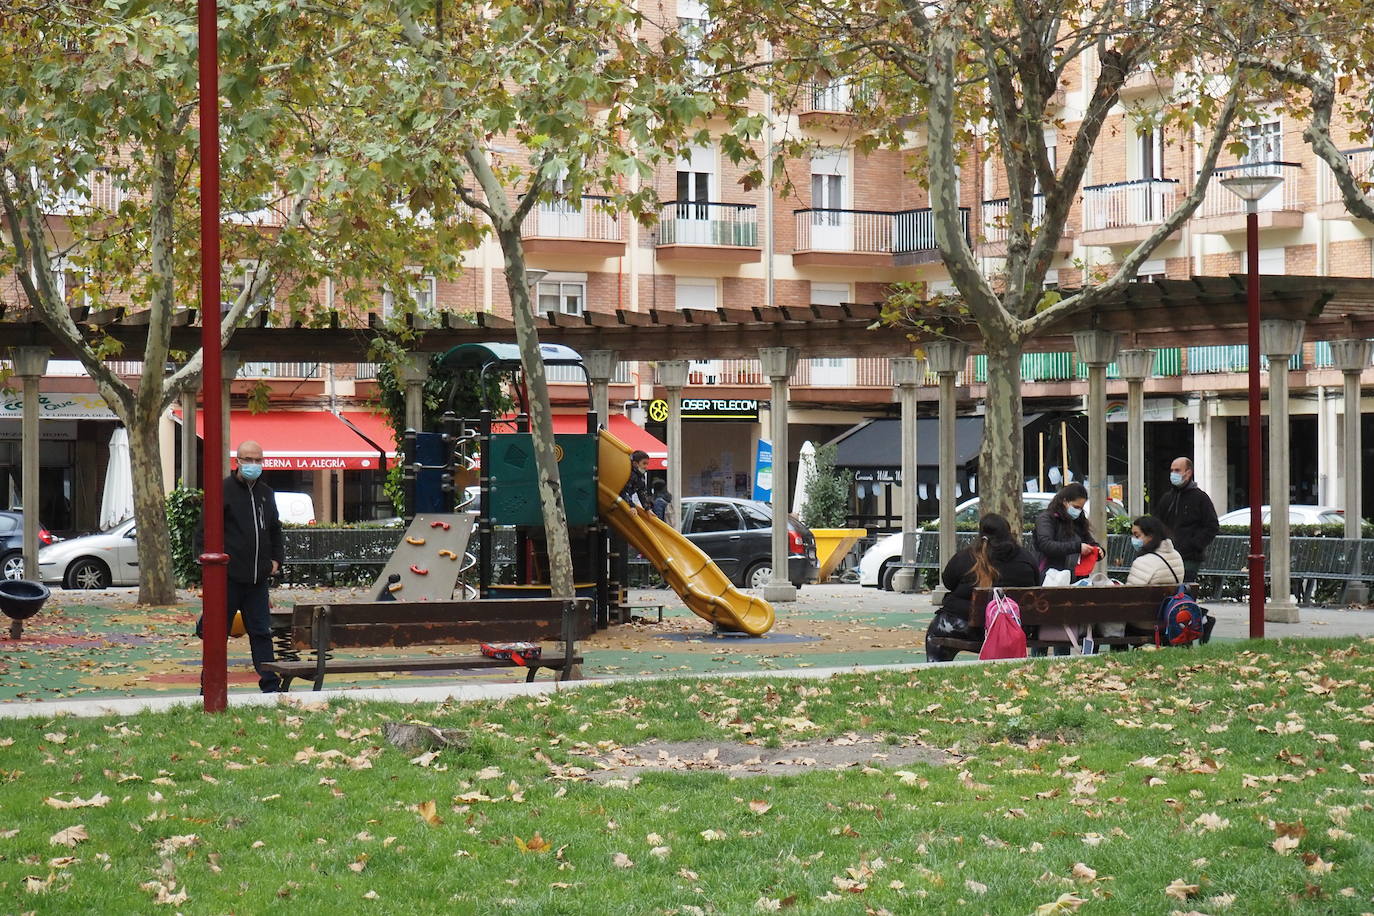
1189, 515
253, 541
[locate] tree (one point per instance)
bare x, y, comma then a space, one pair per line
827, 492
519, 104
977, 81
97, 127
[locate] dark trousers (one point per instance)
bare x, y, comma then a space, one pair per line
1190, 570
251, 600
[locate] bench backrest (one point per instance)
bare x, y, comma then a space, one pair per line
1079, 604
373, 624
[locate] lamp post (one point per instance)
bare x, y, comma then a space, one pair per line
1251, 188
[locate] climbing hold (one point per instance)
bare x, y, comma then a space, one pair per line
416, 541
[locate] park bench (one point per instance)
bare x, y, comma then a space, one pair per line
323, 628
1051, 609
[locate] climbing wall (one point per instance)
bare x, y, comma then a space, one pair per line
429, 560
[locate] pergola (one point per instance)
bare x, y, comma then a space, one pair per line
1124, 329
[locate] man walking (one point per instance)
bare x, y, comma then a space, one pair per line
253, 541
1189, 515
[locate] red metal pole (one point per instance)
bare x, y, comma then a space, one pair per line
214, 645
1256, 466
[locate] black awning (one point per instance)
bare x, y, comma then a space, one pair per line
877, 443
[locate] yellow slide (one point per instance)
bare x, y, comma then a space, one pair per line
690, 573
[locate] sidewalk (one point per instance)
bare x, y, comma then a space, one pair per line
99, 646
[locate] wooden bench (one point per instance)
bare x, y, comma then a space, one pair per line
323, 628
1050, 609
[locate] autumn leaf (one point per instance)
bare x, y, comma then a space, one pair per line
1066, 903
536, 843
1083, 872
429, 813
620, 860
711, 836
760, 807
1210, 821
69, 837
95, 801
976, 887
1285, 844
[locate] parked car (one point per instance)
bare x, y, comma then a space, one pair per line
93, 560
879, 563
12, 543
1297, 515
737, 534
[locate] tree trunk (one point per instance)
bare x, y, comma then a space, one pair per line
156, 584
541, 418
1001, 464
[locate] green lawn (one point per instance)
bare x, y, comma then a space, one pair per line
1228, 779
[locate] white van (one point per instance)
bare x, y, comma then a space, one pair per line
295, 508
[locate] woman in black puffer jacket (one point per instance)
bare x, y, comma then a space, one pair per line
995, 558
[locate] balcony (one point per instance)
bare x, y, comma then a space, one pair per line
98, 192
997, 226
586, 228
826, 104
866, 238
711, 232
1223, 213
1361, 162
1125, 213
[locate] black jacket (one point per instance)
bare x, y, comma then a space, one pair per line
1059, 539
1014, 564
637, 485
1190, 517
252, 531
662, 502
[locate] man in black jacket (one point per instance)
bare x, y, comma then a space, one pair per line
253, 541
1189, 515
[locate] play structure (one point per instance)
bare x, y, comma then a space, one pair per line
477, 475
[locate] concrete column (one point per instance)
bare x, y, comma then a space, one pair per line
601, 366
1135, 366
908, 372
229, 367
167, 453
778, 364
188, 437
946, 359
1097, 349
1279, 339
672, 373
29, 364
1209, 452
1351, 357
414, 372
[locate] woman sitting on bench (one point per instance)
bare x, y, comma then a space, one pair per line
996, 557
1158, 563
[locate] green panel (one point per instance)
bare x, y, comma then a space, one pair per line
1168, 361
514, 482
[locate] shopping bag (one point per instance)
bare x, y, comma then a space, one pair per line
1005, 638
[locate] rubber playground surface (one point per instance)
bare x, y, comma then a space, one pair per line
100, 644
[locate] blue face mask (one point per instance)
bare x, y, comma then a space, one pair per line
1176, 478
250, 471
1073, 511
1137, 543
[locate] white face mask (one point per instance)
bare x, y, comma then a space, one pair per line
1074, 511
1176, 478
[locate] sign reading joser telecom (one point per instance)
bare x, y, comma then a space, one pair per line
708, 409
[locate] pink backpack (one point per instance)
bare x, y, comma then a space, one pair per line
1005, 638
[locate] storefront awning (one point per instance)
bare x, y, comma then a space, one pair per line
878, 443
624, 429
295, 440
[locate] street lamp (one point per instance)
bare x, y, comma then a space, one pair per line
1251, 188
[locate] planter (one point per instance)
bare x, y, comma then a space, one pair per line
20, 599
831, 546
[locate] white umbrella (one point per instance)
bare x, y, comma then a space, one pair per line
117, 504
806, 469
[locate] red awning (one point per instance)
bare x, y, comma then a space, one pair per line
296, 440
624, 429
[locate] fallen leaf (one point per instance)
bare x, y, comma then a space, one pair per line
976, 887
69, 837
488, 773
760, 807
712, 835
1210, 821
620, 860
97, 800
429, 813
1083, 872
1285, 844
1181, 889
1066, 903
536, 843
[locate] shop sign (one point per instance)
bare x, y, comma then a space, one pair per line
12, 429
878, 475
319, 463
716, 409
57, 406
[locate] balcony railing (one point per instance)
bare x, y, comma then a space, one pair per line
587, 219
98, 192
1222, 202
279, 370
700, 223
997, 215
1204, 360
1361, 162
868, 231
1143, 202
836, 96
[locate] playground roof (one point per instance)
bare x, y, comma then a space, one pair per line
1193, 312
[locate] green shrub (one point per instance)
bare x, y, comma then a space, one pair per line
827, 492
183, 514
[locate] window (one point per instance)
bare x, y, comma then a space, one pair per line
696, 293
693, 22
695, 176
562, 294
248, 271
830, 293
1264, 142
709, 517
755, 518
1150, 272
423, 291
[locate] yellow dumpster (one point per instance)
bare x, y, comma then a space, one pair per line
831, 546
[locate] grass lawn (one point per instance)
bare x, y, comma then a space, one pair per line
1228, 779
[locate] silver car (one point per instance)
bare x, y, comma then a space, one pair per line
94, 560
